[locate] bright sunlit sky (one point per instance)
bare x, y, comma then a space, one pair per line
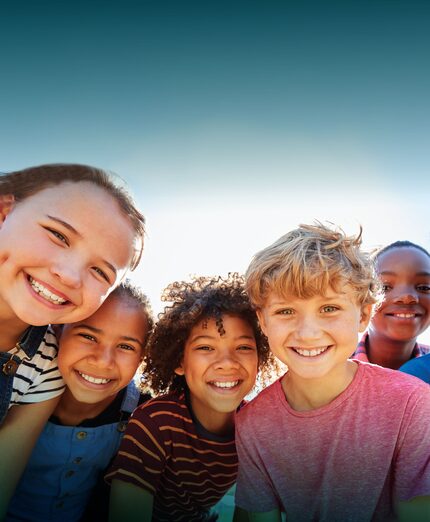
232, 122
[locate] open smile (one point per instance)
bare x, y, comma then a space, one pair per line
311, 352
225, 385
49, 296
404, 315
92, 380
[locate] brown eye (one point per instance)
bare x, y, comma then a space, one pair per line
127, 347
88, 337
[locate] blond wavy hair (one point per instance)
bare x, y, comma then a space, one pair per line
308, 261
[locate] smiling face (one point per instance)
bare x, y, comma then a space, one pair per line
314, 337
219, 369
405, 311
62, 250
100, 355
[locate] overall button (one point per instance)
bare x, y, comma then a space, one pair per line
59, 505
77, 460
70, 474
81, 435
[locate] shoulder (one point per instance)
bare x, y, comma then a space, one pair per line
46, 353
419, 367
163, 409
423, 349
390, 385
262, 404
38, 378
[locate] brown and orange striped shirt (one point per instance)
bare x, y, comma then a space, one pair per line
168, 453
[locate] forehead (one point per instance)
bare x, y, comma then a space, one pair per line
118, 316
344, 291
69, 190
228, 325
405, 258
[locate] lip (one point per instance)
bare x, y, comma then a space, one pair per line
404, 313
50, 288
225, 390
50, 304
310, 349
92, 385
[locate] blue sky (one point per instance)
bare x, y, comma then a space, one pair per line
231, 121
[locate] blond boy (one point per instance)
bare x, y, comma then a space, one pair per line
333, 439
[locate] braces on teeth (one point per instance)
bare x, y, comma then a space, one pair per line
44, 292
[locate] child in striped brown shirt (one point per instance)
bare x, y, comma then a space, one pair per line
178, 456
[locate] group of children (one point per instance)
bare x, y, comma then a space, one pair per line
340, 436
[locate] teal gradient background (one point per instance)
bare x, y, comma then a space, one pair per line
231, 121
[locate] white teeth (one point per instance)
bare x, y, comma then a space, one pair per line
310, 353
223, 384
404, 316
44, 292
94, 380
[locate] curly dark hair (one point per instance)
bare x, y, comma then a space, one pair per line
201, 298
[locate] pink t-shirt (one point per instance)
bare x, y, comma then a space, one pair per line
347, 461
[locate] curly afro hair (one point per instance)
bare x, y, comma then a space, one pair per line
201, 298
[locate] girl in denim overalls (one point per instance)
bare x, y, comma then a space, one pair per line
68, 235
98, 358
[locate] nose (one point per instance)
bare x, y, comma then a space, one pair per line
103, 356
227, 360
307, 329
406, 295
68, 272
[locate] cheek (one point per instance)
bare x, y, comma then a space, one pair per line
64, 360
278, 331
253, 368
128, 366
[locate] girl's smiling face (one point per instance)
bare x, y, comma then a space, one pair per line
100, 355
219, 368
405, 311
62, 250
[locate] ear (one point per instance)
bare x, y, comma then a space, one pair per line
7, 202
180, 370
366, 314
261, 320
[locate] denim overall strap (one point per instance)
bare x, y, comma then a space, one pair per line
129, 404
9, 363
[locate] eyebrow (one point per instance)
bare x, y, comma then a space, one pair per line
290, 303
65, 224
74, 231
211, 337
98, 330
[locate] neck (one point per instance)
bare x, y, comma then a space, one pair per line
72, 412
218, 423
388, 352
311, 394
